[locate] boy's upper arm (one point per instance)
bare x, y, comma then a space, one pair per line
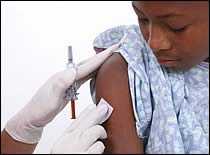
112, 85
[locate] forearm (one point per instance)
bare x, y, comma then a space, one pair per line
11, 146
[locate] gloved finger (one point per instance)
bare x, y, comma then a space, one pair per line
94, 133
84, 79
62, 80
81, 117
97, 116
99, 59
113, 48
89, 117
96, 148
88, 66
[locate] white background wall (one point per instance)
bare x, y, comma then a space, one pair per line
34, 39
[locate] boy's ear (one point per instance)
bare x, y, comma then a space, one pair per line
98, 50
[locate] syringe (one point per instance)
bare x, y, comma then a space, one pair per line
71, 92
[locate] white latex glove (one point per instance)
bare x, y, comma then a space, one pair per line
83, 135
27, 125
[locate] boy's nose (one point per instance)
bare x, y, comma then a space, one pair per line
158, 39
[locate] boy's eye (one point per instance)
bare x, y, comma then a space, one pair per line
181, 29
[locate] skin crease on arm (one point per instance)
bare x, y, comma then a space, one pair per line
11, 146
112, 85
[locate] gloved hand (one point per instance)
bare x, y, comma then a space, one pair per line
82, 136
27, 125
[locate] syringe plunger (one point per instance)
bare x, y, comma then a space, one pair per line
70, 55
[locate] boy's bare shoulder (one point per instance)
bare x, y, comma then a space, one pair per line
115, 68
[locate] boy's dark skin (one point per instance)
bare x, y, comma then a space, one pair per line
188, 47
183, 38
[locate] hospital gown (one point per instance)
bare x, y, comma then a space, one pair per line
171, 108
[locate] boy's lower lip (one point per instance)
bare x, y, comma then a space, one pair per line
167, 62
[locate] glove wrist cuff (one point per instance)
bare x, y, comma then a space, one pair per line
20, 130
